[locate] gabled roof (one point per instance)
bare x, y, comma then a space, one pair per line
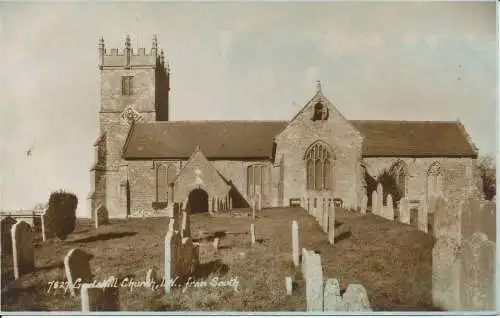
254, 139
218, 139
413, 139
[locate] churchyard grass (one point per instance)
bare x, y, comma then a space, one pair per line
391, 260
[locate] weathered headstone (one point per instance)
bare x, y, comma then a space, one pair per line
101, 216
389, 208
355, 298
309, 206
6, 231
332, 301
423, 220
253, 209
216, 243
99, 299
380, 197
288, 285
445, 273
22, 249
173, 243
185, 259
230, 204
304, 262
314, 282
259, 202
446, 220
375, 203
315, 209
331, 224
295, 243
364, 203
477, 279
324, 221
252, 233
186, 225
404, 211
77, 268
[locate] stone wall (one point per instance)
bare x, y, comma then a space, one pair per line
345, 145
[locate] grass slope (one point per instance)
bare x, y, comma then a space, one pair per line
392, 260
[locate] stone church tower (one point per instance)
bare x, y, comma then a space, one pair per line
134, 88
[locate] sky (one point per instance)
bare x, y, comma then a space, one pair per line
238, 60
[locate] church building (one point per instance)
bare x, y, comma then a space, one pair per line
144, 160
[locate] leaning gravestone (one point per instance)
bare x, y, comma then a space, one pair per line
355, 298
332, 301
101, 216
99, 299
314, 282
22, 249
173, 243
77, 268
6, 225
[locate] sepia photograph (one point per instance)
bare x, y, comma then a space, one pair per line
334, 157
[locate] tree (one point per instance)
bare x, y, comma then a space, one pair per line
60, 218
487, 170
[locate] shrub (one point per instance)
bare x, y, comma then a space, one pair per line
60, 218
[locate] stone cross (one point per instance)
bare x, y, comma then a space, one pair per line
295, 243
77, 268
22, 249
99, 299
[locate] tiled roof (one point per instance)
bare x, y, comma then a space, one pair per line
218, 139
254, 139
414, 139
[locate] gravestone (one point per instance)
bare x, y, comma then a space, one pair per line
288, 285
259, 202
332, 299
389, 208
423, 220
404, 211
304, 262
324, 221
99, 299
22, 249
186, 225
375, 203
6, 225
216, 243
380, 197
477, 273
185, 260
355, 298
331, 224
309, 206
77, 268
364, 203
446, 273
173, 243
295, 243
101, 216
252, 233
230, 204
446, 220
314, 282
253, 209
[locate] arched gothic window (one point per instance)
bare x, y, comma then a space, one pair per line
434, 179
161, 183
318, 167
399, 171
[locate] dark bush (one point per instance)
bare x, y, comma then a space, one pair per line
60, 219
